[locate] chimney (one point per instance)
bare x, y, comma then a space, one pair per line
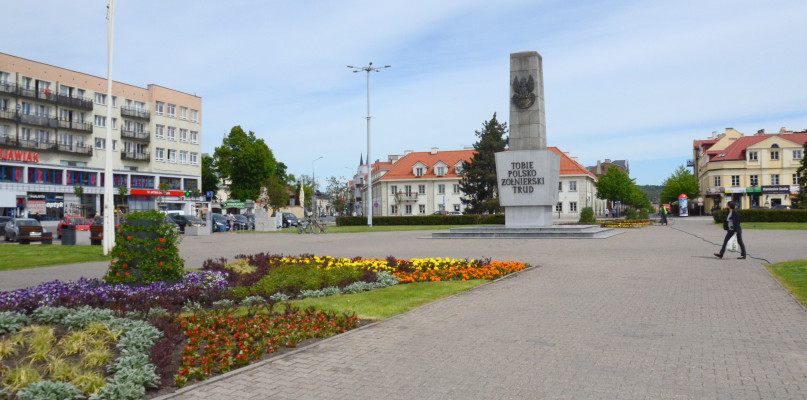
433, 151
575, 159
760, 132
607, 161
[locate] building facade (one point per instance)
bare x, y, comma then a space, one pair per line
53, 125
753, 171
423, 183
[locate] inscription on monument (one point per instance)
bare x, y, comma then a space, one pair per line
522, 176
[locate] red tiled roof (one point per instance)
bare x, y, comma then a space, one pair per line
569, 166
736, 150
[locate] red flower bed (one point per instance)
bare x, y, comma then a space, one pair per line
494, 270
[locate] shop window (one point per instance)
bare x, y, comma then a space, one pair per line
11, 174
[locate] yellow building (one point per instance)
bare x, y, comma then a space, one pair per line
753, 171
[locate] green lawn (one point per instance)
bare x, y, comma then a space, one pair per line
792, 226
383, 303
793, 275
15, 256
377, 228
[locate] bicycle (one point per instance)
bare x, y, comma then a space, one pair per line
305, 226
319, 226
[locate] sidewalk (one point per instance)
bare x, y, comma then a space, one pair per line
649, 313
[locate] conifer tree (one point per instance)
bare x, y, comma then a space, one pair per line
478, 183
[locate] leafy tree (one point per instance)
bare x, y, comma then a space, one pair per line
337, 189
801, 172
479, 175
681, 181
616, 185
276, 192
245, 162
210, 178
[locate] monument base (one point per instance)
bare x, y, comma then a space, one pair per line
527, 216
550, 232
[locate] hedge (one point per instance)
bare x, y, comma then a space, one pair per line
468, 219
763, 215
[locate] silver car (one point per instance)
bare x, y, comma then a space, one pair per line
13, 227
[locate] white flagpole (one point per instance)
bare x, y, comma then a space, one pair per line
109, 197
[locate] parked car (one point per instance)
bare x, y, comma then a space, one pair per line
181, 220
455, 213
290, 219
3, 221
780, 207
440, 212
195, 221
81, 224
219, 222
241, 222
13, 227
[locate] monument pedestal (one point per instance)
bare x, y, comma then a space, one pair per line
528, 216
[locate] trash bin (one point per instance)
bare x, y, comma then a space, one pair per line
69, 235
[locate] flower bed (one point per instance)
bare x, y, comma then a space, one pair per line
625, 224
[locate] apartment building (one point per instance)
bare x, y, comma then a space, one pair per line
53, 126
753, 171
422, 183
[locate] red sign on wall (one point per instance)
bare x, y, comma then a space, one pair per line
19, 155
155, 192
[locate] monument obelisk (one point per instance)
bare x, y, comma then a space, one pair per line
528, 173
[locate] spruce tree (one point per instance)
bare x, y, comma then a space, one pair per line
478, 183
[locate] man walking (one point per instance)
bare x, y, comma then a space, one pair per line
663, 213
732, 227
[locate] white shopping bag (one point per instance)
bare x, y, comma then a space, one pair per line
732, 244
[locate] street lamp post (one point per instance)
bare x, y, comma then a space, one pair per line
369, 200
314, 186
109, 221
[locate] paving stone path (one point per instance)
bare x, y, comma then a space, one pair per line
647, 314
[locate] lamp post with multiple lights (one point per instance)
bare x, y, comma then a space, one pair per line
369, 201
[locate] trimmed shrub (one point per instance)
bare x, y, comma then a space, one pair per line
763, 215
587, 216
146, 250
467, 219
631, 215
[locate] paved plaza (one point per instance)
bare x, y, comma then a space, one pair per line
649, 313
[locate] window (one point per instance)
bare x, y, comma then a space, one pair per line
159, 131
573, 186
114, 101
795, 179
774, 155
422, 189
717, 181
797, 154
441, 171
194, 115
194, 137
100, 144
559, 207
560, 186
3, 78
418, 171
194, 158
183, 157
80, 93
456, 188
183, 135
752, 156
27, 82
171, 111
457, 207
393, 209
140, 106
458, 169
42, 136
172, 133
735, 180
573, 206
408, 190
183, 113
393, 189
172, 156
100, 98
754, 180
408, 209
422, 208
100, 121
158, 154
114, 123
159, 108
441, 189
774, 179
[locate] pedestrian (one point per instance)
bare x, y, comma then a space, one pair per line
732, 227
663, 213
230, 220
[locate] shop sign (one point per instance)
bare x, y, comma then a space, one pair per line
753, 190
19, 155
234, 204
775, 189
794, 188
714, 190
156, 192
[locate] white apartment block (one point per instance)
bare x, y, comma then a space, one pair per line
53, 126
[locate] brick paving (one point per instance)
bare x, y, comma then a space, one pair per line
645, 314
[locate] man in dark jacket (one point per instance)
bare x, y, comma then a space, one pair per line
732, 227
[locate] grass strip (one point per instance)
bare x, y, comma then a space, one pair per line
389, 301
793, 275
785, 226
15, 256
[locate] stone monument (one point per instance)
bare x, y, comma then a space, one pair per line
528, 173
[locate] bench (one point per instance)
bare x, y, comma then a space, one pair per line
33, 233
96, 235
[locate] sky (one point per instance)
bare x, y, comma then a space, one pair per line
623, 80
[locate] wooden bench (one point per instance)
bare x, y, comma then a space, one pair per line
96, 235
34, 233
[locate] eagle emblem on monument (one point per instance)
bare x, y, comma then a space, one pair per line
523, 96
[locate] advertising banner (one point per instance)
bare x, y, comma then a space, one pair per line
682, 206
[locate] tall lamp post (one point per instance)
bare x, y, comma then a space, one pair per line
369, 201
314, 186
109, 217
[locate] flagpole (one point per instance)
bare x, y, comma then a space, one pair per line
109, 199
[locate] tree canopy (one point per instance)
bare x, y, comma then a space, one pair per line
478, 183
245, 163
615, 185
210, 178
681, 181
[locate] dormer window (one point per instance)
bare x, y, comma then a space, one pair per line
752, 156
440, 171
419, 171
458, 168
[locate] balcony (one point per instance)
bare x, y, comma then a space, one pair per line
134, 156
134, 113
39, 120
10, 141
47, 145
8, 115
76, 126
143, 136
407, 196
42, 95
75, 102
83, 150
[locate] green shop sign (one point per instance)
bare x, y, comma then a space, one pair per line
234, 204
